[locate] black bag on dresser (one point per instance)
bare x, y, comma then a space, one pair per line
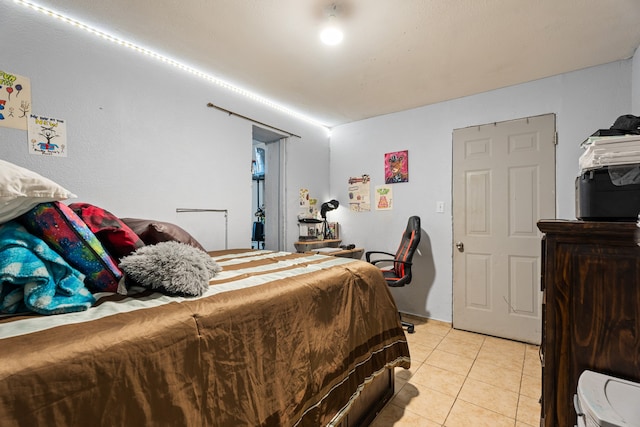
627, 124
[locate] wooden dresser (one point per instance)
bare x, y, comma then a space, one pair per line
591, 309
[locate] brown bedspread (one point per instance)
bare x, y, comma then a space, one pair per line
279, 340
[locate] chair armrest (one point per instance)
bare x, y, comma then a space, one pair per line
369, 253
380, 260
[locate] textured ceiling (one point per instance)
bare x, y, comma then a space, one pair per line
396, 54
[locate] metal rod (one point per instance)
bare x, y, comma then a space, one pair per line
226, 220
231, 113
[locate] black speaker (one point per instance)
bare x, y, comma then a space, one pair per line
258, 232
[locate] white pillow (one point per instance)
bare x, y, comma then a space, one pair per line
21, 190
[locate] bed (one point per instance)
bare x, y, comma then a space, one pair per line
278, 339
246, 338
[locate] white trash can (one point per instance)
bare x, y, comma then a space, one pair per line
606, 401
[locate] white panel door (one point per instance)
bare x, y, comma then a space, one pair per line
503, 183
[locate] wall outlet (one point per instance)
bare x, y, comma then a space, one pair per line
440, 207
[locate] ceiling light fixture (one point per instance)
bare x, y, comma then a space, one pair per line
331, 34
170, 61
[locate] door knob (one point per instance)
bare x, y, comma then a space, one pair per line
460, 246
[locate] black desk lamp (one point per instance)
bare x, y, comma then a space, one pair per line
327, 207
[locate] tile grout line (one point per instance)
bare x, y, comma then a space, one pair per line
515, 419
444, 423
483, 344
520, 385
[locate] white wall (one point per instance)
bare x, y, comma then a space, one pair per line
583, 101
141, 141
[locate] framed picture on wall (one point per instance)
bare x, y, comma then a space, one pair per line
396, 167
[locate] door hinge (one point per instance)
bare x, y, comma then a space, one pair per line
555, 138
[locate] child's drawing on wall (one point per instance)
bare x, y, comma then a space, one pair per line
47, 136
359, 199
15, 100
384, 197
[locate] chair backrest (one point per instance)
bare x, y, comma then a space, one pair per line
408, 246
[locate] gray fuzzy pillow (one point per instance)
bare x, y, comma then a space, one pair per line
171, 267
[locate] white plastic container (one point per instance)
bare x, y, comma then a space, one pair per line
606, 401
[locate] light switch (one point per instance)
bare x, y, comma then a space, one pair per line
440, 207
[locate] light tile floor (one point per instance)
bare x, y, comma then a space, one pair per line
462, 379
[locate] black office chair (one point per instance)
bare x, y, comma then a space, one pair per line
400, 273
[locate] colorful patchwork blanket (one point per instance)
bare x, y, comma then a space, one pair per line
34, 277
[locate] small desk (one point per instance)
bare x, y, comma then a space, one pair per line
309, 245
344, 253
348, 253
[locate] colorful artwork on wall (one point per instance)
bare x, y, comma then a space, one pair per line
15, 100
308, 206
384, 198
47, 136
396, 167
359, 198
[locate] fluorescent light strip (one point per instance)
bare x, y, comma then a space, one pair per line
169, 61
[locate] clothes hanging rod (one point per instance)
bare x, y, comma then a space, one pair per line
179, 210
231, 113
226, 220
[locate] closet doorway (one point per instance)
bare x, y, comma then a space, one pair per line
267, 189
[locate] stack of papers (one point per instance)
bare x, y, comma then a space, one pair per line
611, 151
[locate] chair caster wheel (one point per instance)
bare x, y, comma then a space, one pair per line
410, 329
